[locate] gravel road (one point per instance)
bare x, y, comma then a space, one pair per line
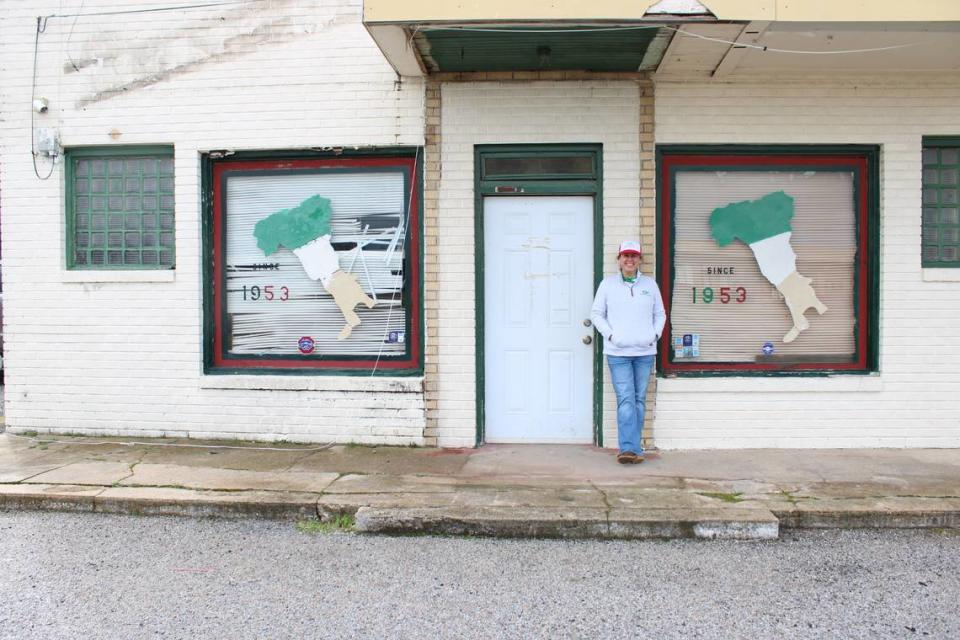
94, 576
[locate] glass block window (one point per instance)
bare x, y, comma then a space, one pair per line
766, 260
316, 263
941, 202
120, 208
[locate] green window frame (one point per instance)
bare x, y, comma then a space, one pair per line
941, 202
120, 208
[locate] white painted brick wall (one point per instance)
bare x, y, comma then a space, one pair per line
912, 402
124, 358
475, 113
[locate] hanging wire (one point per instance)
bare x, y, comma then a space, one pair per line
680, 31
70, 35
181, 7
403, 280
760, 47
41, 27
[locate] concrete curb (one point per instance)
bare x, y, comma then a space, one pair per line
757, 521
158, 501
510, 522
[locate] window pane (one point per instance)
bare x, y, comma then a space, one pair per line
118, 203
547, 166
282, 303
750, 248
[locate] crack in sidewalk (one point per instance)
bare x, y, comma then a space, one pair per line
132, 467
608, 508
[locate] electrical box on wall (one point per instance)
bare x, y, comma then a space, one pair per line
48, 142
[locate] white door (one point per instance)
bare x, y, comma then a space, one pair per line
538, 288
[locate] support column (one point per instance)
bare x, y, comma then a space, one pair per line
648, 226
431, 266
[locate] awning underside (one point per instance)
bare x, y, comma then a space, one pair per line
586, 48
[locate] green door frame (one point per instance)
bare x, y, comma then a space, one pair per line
536, 184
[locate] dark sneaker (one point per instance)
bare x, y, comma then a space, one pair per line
627, 457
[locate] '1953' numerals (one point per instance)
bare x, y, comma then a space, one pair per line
267, 292
726, 294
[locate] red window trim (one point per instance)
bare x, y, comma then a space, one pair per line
411, 361
858, 163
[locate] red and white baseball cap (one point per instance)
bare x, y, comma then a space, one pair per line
629, 246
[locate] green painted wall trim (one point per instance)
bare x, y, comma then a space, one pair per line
536, 185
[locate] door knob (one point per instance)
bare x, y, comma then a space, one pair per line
587, 339
587, 322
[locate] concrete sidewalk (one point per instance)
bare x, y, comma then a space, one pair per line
499, 490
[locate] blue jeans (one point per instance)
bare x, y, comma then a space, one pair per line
630, 376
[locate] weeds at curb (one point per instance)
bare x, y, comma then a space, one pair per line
341, 523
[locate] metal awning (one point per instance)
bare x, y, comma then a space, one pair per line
424, 38
673, 37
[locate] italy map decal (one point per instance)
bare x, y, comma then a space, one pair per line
764, 226
305, 230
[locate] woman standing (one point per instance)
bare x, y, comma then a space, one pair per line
628, 312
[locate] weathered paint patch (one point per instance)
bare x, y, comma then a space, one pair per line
187, 49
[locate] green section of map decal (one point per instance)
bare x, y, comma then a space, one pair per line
752, 220
293, 228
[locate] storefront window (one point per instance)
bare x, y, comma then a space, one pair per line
766, 261
315, 263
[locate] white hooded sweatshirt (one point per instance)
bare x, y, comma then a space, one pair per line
629, 315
